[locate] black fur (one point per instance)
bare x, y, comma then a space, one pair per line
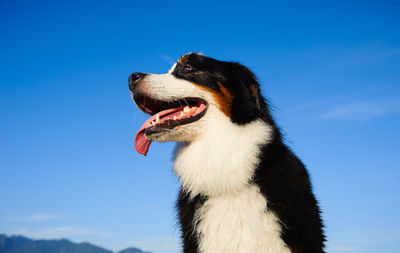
236, 78
186, 209
285, 183
281, 176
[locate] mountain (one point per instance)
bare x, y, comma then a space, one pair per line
132, 250
20, 244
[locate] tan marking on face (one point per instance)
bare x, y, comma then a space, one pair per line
255, 93
254, 90
223, 98
224, 101
183, 59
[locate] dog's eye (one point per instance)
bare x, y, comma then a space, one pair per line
187, 68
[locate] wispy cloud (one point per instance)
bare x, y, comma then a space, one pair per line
167, 58
374, 242
360, 110
57, 232
371, 52
343, 248
151, 206
170, 244
33, 218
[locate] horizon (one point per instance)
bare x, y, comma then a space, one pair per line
64, 239
68, 167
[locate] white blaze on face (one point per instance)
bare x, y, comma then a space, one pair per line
166, 87
172, 68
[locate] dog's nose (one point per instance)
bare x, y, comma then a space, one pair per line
134, 78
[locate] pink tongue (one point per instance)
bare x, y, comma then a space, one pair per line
141, 142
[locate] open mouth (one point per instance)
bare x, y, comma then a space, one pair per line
166, 116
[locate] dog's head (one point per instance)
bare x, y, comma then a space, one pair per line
194, 94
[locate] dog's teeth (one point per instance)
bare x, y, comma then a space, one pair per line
193, 108
175, 118
157, 119
182, 114
186, 109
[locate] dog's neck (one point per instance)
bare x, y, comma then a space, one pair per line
222, 159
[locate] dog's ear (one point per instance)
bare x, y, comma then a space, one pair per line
248, 102
256, 94
249, 80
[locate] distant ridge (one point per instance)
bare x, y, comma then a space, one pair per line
21, 244
132, 250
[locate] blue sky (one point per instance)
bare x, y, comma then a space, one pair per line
68, 168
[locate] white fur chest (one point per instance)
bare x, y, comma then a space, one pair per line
238, 223
222, 160
220, 164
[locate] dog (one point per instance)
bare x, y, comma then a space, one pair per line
242, 189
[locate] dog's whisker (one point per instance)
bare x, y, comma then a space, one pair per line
186, 102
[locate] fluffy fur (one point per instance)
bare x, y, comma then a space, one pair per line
242, 189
